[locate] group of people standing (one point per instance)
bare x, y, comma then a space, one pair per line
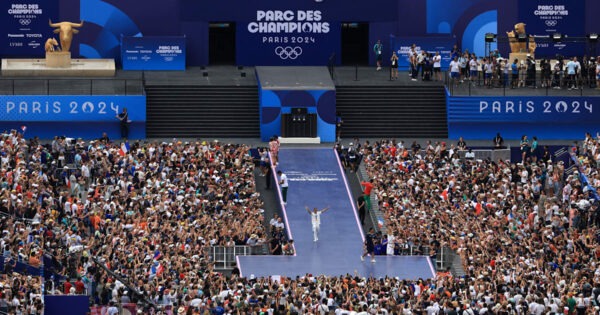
496, 71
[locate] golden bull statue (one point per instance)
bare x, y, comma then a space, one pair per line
66, 31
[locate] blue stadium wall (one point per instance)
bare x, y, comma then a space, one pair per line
317, 24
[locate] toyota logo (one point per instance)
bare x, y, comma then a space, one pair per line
551, 22
288, 52
24, 21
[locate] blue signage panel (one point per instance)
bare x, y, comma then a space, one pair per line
274, 103
153, 53
544, 117
55, 304
546, 17
87, 117
443, 45
287, 38
25, 26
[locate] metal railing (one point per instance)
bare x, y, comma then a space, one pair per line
482, 154
71, 86
132, 308
375, 213
474, 86
224, 257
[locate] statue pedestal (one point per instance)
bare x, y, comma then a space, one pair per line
521, 56
58, 59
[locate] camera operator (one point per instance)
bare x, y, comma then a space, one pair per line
558, 72
591, 72
546, 72
585, 66
531, 72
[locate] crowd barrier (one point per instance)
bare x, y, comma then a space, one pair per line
72, 86
584, 180
224, 257
585, 86
131, 309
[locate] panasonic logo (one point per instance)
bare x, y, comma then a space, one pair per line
16, 35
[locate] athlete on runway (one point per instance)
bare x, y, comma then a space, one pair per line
316, 220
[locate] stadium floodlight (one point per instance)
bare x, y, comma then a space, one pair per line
490, 37
593, 37
557, 37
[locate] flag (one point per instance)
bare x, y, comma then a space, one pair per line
67, 182
160, 269
157, 255
444, 194
23, 128
154, 268
478, 208
124, 148
380, 222
509, 217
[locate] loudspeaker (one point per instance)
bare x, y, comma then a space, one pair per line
204, 73
243, 74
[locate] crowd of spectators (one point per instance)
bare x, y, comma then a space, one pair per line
494, 70
526, 232
147, 212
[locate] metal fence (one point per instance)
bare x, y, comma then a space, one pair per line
224, 257
493, 155
132, 308
71, 86
541, 86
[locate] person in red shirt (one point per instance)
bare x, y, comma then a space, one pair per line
79, 286
68, 286
367, 193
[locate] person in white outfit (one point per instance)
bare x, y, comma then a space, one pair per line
315, 219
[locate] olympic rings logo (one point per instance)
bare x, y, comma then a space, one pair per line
288, 52
24, 21
551, 22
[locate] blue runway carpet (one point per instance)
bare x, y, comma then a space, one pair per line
316, 180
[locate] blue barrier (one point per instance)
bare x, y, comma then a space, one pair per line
584, 180
153, 53
79, 116
23, 268
58, 304
544, 117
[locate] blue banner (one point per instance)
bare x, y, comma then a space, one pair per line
25, 26
87, 117
274, 103
56, 304
544, 117
443, 45
70, 108
287, 38
546, 17
153, 53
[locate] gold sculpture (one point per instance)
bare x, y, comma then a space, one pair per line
520, 47
66, 31
50, 44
